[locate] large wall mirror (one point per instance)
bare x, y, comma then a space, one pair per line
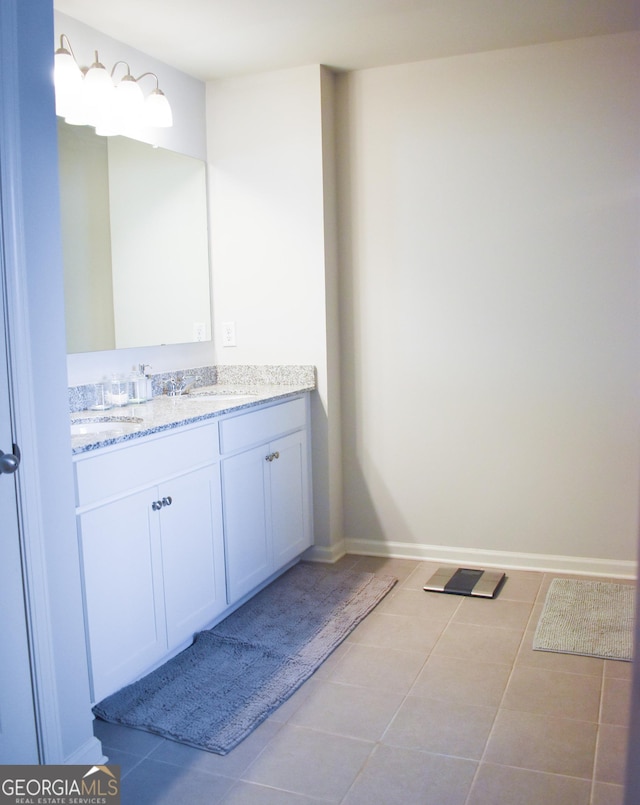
135, 243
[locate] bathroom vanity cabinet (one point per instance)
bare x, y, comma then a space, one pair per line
149, 519
265, 492
177, 526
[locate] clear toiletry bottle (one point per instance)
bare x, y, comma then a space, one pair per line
101, 398
119, 390
138, 385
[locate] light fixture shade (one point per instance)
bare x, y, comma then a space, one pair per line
128, 101
157, 111
98, 93
87, 96
76, 114
68, 81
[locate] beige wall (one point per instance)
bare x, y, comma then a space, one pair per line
490, 308
273, 257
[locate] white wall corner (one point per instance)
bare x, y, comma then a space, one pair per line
320, 553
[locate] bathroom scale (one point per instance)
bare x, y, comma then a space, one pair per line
466, 581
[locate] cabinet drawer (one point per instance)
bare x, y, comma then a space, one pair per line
144, 463
261, 426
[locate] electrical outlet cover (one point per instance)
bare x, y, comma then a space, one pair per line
229, 334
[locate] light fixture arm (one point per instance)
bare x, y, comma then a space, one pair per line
126, 64
68, 49
150, 73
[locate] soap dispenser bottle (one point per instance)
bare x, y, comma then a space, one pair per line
138, 385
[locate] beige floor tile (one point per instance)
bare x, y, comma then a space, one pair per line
521, 585
291, 705
134, 742
395, 776
346, 710
433, 699
541, 743
419, 577
495, 785
298, 760
607, 794
557, 661
616, 701
476, 683
538, 690
611, 754
230, 765
157, 783
346, 562
387, 566
549, 577
442, 727
494, 613
618, 669
420, 604
404, 632
381, 669
252, 794
472, 643
326, 669
127, 762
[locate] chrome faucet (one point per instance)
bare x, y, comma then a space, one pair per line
181, 385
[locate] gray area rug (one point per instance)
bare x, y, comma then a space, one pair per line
594, 618
213, 694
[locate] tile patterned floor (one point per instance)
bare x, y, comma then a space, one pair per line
400, 714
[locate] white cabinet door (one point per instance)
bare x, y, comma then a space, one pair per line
192, 552
246, 528
123, 590
289, 490
267, 515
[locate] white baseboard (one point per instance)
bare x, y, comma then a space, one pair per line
318, 553
579, 565
89, 754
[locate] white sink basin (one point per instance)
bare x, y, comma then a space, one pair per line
112, 426
221, 397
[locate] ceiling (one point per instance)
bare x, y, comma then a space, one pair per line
221, 38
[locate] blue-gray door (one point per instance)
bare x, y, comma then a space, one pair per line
18, 740
18, 735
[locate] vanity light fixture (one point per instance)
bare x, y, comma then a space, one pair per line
93, 96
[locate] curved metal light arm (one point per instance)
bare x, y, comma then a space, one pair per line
150, 73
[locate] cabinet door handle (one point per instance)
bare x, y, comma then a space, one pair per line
276, 454
271, 456
158, 504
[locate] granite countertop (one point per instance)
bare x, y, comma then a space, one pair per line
164, 412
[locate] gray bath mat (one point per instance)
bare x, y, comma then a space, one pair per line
213, 694
594, 618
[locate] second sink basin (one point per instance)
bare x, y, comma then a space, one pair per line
221, 397
104, 425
